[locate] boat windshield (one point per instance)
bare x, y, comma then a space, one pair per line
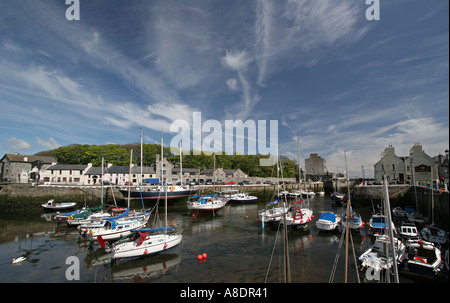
378, 219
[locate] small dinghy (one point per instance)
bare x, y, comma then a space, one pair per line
51, 205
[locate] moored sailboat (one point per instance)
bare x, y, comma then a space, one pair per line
143, 243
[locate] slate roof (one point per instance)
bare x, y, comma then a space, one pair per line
67, 167
120, 170
21, 158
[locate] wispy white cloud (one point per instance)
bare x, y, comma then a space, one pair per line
17, 144
49, 144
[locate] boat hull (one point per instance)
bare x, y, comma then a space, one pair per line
294, 220
152, 245
326, 225
156, 194
208, 207
247, 200
59, 206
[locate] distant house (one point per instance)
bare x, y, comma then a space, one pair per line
118, 175
18, 168
225, 175
67, 174
417, 167
189, 174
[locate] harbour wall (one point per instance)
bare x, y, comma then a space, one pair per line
405, 195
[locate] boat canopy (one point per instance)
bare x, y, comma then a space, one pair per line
154, 229
274, 202
328, 216
124, 214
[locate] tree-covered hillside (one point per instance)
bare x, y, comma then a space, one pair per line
120, 155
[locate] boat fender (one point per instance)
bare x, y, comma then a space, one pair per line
171, 188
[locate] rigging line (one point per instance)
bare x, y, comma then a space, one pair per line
273, 251
354, 257
336, 259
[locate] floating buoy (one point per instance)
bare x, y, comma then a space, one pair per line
165, 245
204, 255
199, 258
145, 252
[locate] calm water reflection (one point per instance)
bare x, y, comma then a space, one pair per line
238, 249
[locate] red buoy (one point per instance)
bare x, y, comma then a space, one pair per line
199, 258
204, 255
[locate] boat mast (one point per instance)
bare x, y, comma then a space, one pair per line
181, 166
165, 187
214, 174
102, 183
299, 167
129, 178
387, 207
348, 219
287, 272
432, 198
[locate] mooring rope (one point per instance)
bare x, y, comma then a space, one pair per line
271, 256
336, 259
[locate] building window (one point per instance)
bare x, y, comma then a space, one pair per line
393, 166
382, 166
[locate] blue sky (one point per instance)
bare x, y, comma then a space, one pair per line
331, 78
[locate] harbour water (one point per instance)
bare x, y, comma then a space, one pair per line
238, 250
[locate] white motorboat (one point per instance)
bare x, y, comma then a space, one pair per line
52, 205
242, 198
421, 258
375, 257
208, 203
328, 221
409, 231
